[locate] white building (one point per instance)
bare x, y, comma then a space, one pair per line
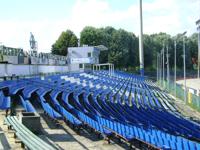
82, 58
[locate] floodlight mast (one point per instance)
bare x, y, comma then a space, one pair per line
141, 53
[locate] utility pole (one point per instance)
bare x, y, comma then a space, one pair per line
157, 67
198, 29
160, 67
185, 90
167, 55
175, 68
141, 53
163, 65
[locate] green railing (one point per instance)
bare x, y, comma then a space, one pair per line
177, 90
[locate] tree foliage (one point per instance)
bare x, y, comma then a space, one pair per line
124, 50
120, 43
123, 47
65, 40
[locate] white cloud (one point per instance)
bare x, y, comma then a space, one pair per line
171, 16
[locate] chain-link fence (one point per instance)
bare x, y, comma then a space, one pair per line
177, 90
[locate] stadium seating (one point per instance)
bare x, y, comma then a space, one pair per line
5, 102
126, 106
27, 105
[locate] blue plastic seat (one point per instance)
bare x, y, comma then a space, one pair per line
131, 131
172, 145
185, 144
108, 123
111, 124
152, 140
129, 137
29, 106
141, 134
123, 131
179, 143
107, 132
191, 145
147, 138
165, 147
48, 109
197, 146
119, 129
5, 102
173, 139
136, 132
166, 142
160, 141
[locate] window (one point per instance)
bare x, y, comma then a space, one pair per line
89, 54
80, 66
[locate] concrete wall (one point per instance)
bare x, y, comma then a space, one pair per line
9, 69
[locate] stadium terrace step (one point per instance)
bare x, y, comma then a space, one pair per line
125, 106
30, 140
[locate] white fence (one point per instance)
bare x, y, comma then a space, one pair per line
10, 69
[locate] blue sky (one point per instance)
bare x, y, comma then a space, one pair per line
48, 18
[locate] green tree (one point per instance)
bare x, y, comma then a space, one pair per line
122, 45
123, 49
65, 40
192, 50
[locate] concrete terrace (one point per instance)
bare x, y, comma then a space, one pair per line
63, 137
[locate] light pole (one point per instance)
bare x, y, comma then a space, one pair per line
157, 66
184, 65
167, 55
161, 68
175, 68
163, 65
141, 53
198, 29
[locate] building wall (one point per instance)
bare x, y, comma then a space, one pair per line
82, 52
10, 69
75, 68
10, 59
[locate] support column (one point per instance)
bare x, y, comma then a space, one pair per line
141, 53
198, 51
109, 69
163, 66
113, 68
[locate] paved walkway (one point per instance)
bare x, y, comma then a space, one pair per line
191, 83
186, 110
64, 137
9, 134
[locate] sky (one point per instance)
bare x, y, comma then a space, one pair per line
46, 19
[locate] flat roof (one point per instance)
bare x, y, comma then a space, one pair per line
99, 47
